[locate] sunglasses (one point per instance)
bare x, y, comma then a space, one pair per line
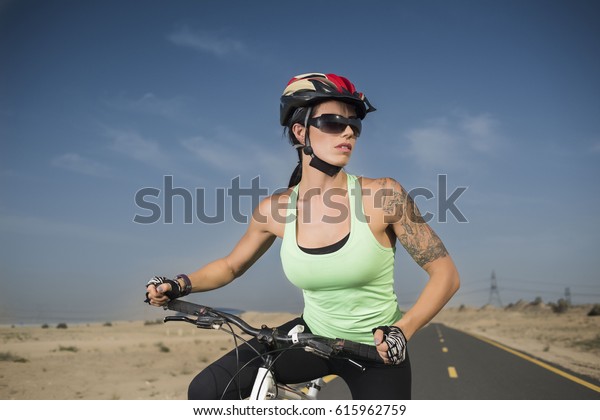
336, 124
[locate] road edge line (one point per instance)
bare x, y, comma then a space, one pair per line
537, 362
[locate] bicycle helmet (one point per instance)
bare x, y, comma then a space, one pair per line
307, 90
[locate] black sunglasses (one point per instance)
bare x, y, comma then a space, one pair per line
336, 124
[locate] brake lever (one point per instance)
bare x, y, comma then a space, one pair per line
326, 351
209, 322
319, 349
205, 322
178, 318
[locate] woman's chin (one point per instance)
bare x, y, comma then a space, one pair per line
338, 160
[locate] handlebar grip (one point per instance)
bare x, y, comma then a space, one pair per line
362, 351
185, 307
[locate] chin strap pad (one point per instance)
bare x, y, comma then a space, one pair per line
321, 165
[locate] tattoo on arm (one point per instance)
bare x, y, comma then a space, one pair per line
425, 250
392, 202
417, 237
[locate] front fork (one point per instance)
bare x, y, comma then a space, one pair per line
264, 385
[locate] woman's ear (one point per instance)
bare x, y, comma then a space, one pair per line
299, 132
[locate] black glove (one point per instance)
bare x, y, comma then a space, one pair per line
175, 291
396, 341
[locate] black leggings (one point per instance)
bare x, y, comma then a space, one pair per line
377, 382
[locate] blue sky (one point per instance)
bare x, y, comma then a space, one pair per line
100, 99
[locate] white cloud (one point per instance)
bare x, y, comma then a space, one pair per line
453, 141
135, 146
433, 145
213, 153
226, 151
205, 42
76, 163
231, 152
175, 108
480, 131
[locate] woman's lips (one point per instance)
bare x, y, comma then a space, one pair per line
346, 147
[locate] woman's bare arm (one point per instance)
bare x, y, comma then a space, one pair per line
254, 243
426, 248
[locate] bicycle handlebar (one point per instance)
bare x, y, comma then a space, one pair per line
327, 347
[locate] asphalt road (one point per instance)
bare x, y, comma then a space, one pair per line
452, 365
448, 364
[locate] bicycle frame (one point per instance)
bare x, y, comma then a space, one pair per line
264, 385
267, 388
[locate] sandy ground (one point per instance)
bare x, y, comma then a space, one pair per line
128, 360
133, 360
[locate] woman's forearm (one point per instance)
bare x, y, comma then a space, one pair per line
443, 283
212, 276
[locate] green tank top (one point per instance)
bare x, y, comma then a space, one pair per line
348, 292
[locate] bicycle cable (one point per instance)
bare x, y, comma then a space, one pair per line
237, 357
270, 369
242, 339
260, 356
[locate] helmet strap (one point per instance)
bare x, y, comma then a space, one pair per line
315, 161
321, 165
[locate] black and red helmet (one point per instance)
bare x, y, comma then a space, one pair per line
312, 88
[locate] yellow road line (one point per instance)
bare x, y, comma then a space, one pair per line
452, 372
538, 362
445, 349
441, 340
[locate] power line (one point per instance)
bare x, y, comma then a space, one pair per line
504, 280
461, 293
545, 291
551, 283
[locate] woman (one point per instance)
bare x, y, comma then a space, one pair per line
339, 233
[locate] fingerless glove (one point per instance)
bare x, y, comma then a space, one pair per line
396, 341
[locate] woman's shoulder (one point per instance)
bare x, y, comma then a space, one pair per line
273, 208
280, 197
379, 186
383, 198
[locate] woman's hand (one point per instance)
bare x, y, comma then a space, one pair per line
391, 344
160, 290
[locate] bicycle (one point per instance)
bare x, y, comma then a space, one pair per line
265, 386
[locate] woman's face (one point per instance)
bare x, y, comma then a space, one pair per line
335, 149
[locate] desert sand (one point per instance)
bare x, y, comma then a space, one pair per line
142, 360
127, 360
